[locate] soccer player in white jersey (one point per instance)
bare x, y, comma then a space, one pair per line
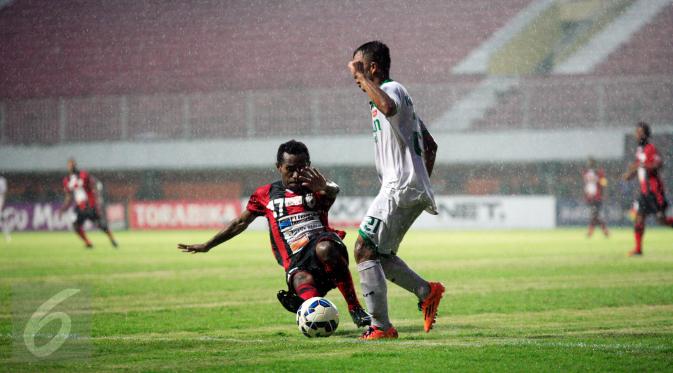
5, 225
405, 155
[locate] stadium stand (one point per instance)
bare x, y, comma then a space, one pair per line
98, 47
215, 53
634, 83
647, 52
579, 101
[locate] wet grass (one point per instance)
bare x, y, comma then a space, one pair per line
515, 301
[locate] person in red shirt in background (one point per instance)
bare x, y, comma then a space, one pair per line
652, 199
80, 187
594, 182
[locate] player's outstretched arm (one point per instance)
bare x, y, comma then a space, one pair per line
237, 226
66, 203
96, 187
429, 148
381, 99
631, 171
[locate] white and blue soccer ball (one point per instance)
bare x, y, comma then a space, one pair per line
317, 317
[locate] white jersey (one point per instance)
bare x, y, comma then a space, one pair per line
399, 151
3, 191
591, 181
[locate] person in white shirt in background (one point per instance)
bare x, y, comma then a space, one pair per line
5, 226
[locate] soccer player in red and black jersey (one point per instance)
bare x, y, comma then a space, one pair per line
652, 199
313, 256
80, 187
594, 182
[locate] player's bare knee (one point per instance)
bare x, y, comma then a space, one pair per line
363, 252
327, 252
302, 277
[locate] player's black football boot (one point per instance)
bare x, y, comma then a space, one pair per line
360, 317
290, 301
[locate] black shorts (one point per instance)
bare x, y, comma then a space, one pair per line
651, 203
306, 260
88, 213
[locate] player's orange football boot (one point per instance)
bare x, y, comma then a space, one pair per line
634, 252
374, 332
430, 304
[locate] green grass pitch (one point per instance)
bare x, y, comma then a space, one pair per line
515, 301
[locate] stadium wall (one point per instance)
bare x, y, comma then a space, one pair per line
454, 212
454, 148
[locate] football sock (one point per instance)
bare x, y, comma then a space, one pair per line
397, 271
639, 232
109, 235
375, 292
5, 231
591, 230
306, 291
669, 221
344, 282
80, 232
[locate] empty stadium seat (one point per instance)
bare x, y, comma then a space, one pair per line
154, 53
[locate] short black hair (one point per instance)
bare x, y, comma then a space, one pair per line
292, 147
591, 161
646, 128
376, 51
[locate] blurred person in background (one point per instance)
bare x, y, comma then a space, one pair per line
652, 199
79, 186
5, 225
594, 184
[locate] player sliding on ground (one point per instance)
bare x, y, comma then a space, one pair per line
652, 199
80, 186
405, 155
313, 256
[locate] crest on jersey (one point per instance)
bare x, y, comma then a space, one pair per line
375, 112
309, 200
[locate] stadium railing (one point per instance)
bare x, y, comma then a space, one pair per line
536, 103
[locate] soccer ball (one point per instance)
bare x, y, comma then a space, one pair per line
317, 317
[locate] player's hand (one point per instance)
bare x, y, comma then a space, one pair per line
357, 69
195, 248
312, 179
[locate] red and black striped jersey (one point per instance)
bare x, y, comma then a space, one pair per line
294, 218
650, 182
594, 181
81, 186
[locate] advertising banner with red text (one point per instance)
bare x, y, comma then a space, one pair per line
183, 214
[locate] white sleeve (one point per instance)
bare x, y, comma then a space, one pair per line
394, 91
3, 185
